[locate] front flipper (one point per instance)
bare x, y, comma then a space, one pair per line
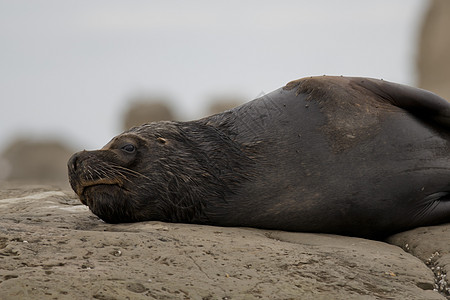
433, 209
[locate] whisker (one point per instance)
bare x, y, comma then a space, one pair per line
98, 173
90, 173
110, 170
129, 171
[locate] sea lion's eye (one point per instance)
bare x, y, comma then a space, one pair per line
129, 148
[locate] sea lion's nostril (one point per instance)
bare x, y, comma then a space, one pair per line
73, 162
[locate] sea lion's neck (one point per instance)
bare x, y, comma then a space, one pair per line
211, 171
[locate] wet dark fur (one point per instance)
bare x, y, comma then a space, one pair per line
353, 156
192, 164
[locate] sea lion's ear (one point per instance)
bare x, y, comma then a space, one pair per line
161, 140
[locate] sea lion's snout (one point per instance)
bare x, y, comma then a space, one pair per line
72, 164
103, 181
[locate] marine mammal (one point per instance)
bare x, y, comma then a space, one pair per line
345, 155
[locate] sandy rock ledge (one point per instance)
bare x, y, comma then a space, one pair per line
52, 247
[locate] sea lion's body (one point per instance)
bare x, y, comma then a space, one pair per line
341, 155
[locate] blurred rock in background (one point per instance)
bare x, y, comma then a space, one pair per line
433, 60
31, 161
219, 104
147, 109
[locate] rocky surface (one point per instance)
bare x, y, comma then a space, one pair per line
52, 247
432, 246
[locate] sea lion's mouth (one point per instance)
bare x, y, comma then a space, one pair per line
86, 187
99, 185
84, 184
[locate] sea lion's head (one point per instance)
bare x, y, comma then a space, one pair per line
125, 180
164, 171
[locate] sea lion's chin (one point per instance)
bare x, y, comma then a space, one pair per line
106, 201
89, 193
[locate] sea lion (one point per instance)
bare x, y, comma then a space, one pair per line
343, 155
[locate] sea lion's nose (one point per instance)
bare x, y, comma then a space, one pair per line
73, 162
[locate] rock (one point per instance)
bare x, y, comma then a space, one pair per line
143, 111
432, 245
433, 61
51, 246
42, 161
220, 104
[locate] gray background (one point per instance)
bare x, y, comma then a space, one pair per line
68, 68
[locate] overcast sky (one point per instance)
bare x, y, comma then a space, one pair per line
67, 68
